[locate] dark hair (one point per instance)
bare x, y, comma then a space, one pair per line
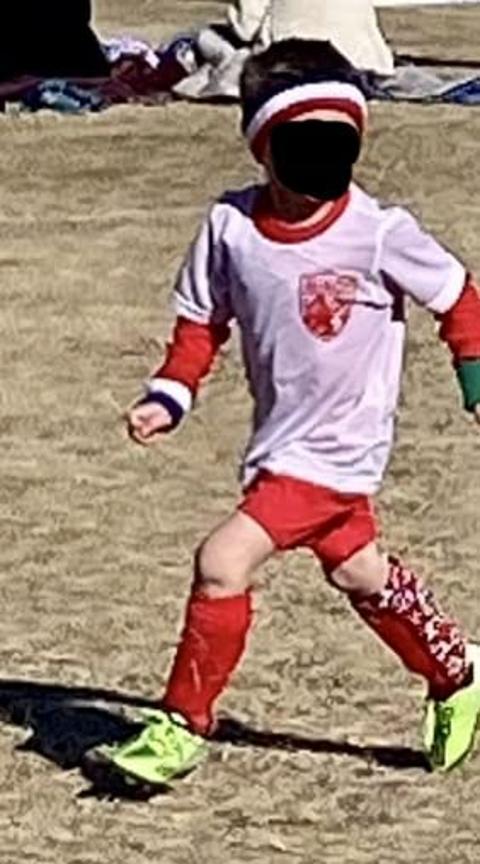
287, 63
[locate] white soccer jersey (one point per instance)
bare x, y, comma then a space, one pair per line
322, 326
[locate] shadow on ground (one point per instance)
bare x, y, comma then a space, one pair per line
400, 758
65, 723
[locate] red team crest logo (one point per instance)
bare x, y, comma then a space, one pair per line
326, 301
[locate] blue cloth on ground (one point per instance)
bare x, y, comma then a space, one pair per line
59, 95
467, 93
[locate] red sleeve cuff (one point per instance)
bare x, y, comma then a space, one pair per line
460, 326
191, 352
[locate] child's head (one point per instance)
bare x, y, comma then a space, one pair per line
304, 114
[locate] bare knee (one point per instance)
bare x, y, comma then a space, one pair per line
218, 572
226, 561
366, 572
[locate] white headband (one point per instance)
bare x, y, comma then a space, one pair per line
332, 95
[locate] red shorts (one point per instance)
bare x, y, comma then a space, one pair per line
296, 513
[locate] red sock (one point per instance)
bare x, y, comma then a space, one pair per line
211, 645
408, 620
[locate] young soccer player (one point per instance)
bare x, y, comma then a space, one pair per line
316, 275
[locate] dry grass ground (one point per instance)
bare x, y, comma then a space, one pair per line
97, 535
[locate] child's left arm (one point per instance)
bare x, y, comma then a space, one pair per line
460, 329
414, 262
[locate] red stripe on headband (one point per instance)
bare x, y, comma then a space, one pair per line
346, 106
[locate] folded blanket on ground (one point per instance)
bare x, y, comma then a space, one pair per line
137, 73
217, 78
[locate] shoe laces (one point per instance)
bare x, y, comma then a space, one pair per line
443, 727
443, 719
160, 735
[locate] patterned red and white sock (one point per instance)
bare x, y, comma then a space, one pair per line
211, 645
407, 619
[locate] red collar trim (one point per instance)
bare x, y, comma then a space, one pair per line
268, 224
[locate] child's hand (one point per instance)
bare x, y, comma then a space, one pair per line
146, 421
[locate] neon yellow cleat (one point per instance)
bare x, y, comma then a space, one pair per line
163, 750
449, 726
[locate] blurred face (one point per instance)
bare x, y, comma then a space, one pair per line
312, 156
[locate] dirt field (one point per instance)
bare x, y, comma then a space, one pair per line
97, 535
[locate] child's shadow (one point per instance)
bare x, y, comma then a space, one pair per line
399, 758
65, 723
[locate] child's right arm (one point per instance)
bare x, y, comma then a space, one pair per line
173, 387
201, 328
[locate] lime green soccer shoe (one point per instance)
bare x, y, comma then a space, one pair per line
163, 750
449, 726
